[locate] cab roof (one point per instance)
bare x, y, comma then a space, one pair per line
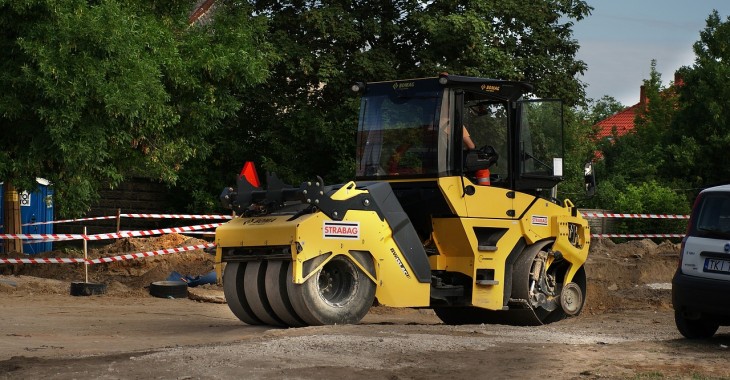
495, 88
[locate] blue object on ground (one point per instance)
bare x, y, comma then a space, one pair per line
193, 281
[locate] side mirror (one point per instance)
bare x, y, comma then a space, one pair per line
590, 179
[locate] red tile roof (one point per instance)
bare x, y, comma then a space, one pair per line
622, 122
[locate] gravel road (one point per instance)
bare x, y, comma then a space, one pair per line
138, 336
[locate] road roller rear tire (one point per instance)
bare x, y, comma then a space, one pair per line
525, 287
338, 293
233, 289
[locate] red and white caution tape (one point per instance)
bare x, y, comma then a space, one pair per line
139, 255
43, 261
148, 216
42, 237
130, 256
69, 220
117, 235
162, 231
633, 236
176, 216
634, 216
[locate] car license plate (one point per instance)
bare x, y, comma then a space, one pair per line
717, 266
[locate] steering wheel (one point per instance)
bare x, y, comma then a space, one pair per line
487, 152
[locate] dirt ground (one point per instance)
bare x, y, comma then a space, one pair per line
625, 332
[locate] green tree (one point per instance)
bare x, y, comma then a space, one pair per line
581, 144
698, 141
506, 40
600, 109
302, 121
94, 92
638, 156
633, 176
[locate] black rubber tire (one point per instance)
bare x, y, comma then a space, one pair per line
699, 328
278, 273
339, 293
87, 288
233, 281
169, 289
254, 287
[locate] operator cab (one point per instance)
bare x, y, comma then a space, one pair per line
415, 129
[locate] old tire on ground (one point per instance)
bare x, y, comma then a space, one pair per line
87, 288
233, 282
697, 328
277, 274
169, 289
339, 293
254, 282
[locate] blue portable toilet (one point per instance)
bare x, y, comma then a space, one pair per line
36, 206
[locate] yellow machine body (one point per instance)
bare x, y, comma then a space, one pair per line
455, 239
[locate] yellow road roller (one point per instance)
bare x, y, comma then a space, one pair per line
453, 207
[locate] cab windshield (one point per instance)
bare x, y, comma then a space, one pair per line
399, 129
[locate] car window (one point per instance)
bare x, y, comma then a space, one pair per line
713, 215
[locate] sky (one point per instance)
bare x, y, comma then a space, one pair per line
621, 37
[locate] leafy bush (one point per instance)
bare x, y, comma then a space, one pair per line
649, 197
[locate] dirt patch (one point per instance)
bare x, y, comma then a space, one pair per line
632, 275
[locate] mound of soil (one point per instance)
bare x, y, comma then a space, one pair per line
631, 275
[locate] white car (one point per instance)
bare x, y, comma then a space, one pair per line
701, 285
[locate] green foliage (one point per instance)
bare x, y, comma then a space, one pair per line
95, 92
650, 197
505, 40
698, 140
639, 155
601, 109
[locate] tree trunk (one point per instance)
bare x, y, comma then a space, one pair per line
11, 218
